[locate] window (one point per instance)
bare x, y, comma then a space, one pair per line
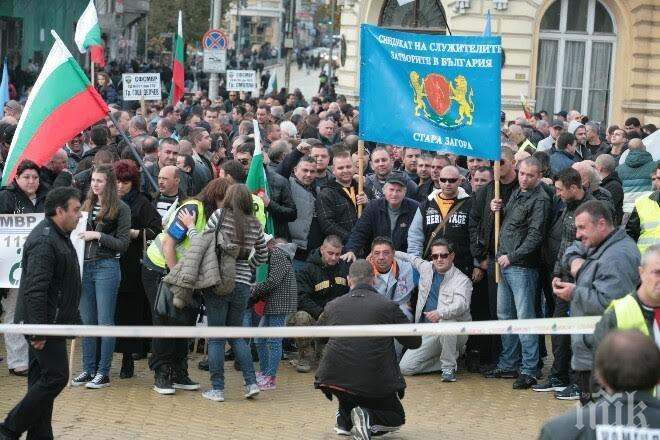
418, 14
574, 66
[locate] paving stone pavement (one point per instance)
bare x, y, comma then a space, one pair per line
471, 408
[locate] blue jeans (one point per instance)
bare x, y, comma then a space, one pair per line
228, 312
98, 302
515, 300
270, 349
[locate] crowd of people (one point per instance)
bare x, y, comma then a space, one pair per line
579, 206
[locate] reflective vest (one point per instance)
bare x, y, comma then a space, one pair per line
649, 222
629, 315
155, 250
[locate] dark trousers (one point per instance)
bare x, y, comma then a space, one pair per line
480, 311
561, 345
47, 377
496, 341
165, 352
385, 413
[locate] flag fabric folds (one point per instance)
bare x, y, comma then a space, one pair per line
178, 86
272, 84
62, 103
88, 34
4, 88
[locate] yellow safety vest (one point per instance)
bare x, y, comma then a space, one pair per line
155, 250
629, 316
259, 210
649, 222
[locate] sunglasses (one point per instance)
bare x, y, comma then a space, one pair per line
442, 256
446, 180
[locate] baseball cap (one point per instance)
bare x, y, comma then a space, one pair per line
562, 113
14, 105
396, 178
557, 123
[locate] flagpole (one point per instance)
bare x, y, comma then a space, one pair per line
497, 219
137, 157
360, 173
91, 75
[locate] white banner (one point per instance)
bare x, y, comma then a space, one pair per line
14, 230
215, 60
241, 81
136, 85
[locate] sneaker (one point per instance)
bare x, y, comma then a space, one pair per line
571, 392
214, 395
448, 375
203, 365
267, 383
251, 390
340, 427
82, 379
303, 366
259, 375
361, 428
99, 381
524, 382
181, 382
552, 384
163, 384
498, 373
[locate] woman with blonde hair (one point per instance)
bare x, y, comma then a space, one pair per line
106, 239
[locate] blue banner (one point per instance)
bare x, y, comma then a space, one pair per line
431, 92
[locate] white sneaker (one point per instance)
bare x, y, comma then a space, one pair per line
99, 381
251, 390
214, 395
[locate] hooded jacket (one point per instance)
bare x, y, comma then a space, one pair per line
319, 284
609, 272
613, 184
635, 174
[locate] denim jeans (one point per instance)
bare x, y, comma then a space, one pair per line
98, 302
270, 349
516, 300
228, 312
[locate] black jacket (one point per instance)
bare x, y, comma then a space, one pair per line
614, 185
49, 292
319, 284
335, 210
375, 222
14, 201
524, 226
567, 233
282, 207
145, 218
482, 219
367, 367
114, 235
55, 180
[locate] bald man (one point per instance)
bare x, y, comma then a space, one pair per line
168, 191
56, 171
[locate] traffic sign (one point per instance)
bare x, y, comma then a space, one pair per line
215, 39
215, 60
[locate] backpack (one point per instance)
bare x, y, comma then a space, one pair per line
226, 252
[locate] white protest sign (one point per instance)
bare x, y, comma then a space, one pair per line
14, 230
241, 80
136, 85
215, 60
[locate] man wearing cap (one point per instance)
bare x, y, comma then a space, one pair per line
580, 132
556, 128
389, 216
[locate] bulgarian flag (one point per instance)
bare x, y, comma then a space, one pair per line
62, 103
272, 84
525, 106
258, 185
178, 88
88, 35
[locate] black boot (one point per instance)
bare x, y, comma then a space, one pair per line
127, 366
163, 381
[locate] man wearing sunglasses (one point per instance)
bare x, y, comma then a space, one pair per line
444, 295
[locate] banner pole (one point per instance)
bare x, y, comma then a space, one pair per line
497, 218
360, 173
91, 74
143, 106
137, 157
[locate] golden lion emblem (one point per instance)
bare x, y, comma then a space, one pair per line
459, 93
420, 94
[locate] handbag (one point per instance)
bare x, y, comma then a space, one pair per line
164, 305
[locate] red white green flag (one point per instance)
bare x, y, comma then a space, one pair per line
61, 104
88, 34
178, 87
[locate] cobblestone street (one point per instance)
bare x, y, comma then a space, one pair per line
471, 408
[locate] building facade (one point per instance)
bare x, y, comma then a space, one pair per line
257, 22
601, 57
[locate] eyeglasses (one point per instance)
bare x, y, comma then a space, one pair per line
447, 180
441, 256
